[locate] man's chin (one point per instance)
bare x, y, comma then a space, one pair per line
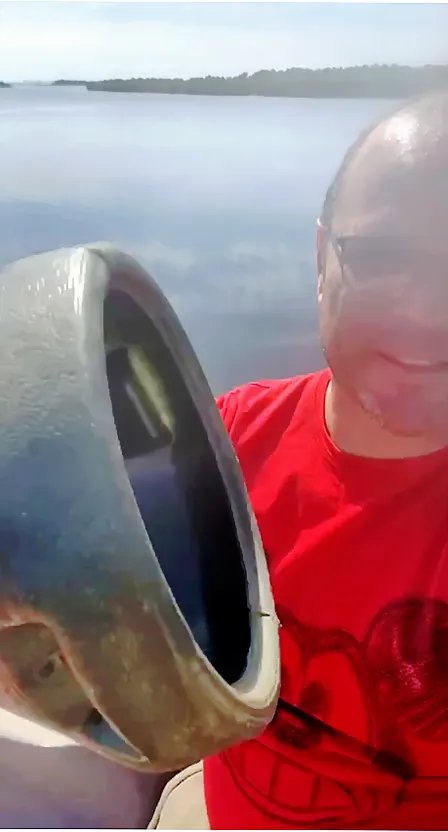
383, 411
400, 418
404, 425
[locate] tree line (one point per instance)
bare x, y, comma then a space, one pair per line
377, 81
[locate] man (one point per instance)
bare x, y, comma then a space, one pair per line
347, 471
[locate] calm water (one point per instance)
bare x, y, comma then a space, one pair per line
217, 196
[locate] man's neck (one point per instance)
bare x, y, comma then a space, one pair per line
356, 432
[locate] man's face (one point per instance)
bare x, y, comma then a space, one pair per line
383, 294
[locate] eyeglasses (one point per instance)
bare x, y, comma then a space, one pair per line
365, 260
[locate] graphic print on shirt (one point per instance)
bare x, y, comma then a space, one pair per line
341, 746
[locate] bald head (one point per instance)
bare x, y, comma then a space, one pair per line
383, 273
401, 160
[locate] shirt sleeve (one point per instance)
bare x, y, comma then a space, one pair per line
228, 406
250, 411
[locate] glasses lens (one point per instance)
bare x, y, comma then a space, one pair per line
366, 260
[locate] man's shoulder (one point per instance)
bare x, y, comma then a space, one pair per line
262, 404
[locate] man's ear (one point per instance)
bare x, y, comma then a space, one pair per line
320, 254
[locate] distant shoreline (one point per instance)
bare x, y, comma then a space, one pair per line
4, 86
377, 81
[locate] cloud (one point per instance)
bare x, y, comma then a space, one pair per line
45, 40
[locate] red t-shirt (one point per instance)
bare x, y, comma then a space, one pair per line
357, 550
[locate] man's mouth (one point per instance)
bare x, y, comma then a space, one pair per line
415, 364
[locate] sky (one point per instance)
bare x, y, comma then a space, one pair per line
42, 40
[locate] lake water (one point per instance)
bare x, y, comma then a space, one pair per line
218, 197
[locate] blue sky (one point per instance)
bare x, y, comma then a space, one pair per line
47, 40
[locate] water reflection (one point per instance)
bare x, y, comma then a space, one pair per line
217, 197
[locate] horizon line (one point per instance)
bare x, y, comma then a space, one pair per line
48, 82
